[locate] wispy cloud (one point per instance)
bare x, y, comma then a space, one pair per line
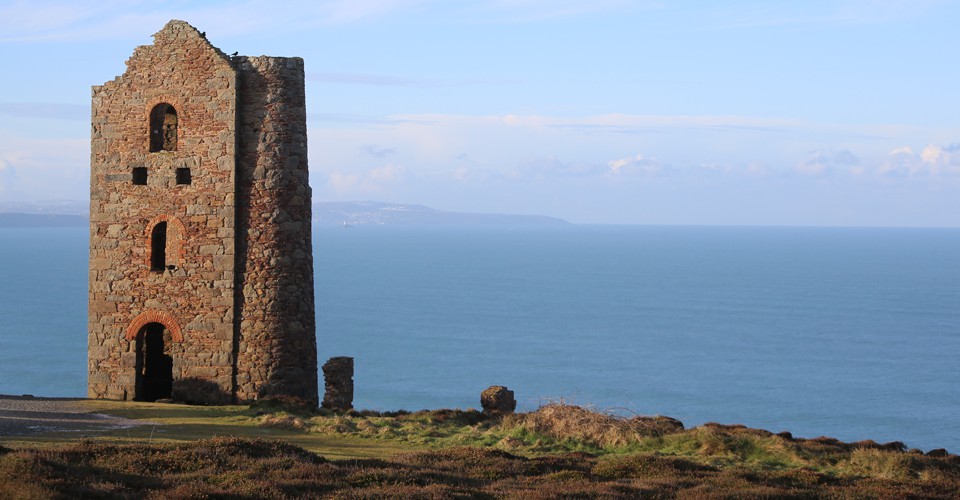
377, 151
824, 163
44, 168
371, 181
61, 20
109, 19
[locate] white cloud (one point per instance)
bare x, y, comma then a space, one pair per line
44, 168
827, 163
343, 182
637, 165
387, 173
377, 151
933, 161
932, 154
373, 181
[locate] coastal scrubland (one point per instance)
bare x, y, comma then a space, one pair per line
282, 449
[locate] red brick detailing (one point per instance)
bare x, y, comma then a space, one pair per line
154, 316
238, 260
181, 110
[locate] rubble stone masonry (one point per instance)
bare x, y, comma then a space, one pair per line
201, 267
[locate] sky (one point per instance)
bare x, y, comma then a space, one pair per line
734, 112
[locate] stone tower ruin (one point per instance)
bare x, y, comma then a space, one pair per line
201, 263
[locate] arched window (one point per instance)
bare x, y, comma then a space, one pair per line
165, 240
163, 128
158, 247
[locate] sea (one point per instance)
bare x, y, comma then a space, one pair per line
852, 333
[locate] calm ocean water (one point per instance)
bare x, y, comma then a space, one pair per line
850, 333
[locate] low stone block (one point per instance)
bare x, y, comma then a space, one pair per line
497, 400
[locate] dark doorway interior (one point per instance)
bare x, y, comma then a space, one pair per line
154, 365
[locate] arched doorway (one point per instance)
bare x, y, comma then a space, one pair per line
154, 363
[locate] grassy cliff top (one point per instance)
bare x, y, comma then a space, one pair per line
279, 450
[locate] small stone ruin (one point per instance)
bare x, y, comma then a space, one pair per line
338, 382
497, 400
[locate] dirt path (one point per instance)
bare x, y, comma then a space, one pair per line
27, 415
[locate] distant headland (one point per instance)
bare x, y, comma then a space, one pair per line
67, 213
372, 212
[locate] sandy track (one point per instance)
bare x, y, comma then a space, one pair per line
26, 415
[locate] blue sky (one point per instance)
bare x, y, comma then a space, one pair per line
601, 111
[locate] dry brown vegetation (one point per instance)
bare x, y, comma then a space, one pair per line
534, 455
245, 468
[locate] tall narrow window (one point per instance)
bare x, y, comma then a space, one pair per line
158, 247
163, 128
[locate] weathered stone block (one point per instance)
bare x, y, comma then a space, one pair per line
497, 400
338, 383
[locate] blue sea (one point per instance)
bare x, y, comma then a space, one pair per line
848, 333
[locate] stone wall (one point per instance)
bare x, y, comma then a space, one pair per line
202, 230
277, 351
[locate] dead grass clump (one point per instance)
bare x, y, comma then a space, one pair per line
570, 422
737, 429
365, 426
510, 443
883, 464
283, 422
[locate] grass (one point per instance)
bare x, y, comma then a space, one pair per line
279, 450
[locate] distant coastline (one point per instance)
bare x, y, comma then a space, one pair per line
334, 213
352, 213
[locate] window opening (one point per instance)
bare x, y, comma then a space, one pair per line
158, 247
163, 128
183, 176
140, 176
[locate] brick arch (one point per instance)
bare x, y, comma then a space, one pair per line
177, 106
176, 243
154, 316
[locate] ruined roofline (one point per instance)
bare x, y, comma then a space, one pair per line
170, 32
176, 26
